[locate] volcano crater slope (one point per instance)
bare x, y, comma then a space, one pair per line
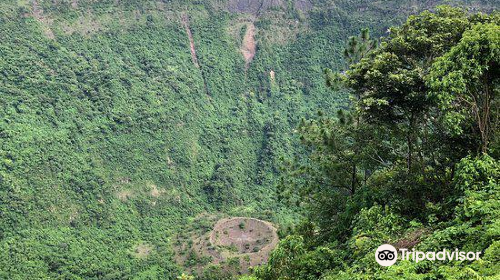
235, 244
245, 235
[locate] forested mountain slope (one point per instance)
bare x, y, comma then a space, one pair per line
413, 164
121, 119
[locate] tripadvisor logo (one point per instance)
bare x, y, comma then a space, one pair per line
387, 255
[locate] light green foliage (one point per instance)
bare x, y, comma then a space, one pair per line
476, 218
185, 277
466, 81
291, 260
474, 228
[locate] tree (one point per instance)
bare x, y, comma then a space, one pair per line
221, 189
358, 47
466, 81
390, 82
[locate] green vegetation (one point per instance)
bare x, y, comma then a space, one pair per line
413, 162
113, 137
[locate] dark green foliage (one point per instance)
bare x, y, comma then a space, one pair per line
403, 165
467, 81
357, 48
215, 272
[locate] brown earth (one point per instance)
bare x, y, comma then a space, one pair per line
247, 234
249, 45
124, 195
38, 14
185, 23
86, 24
122, 189
411, 240
236, 244
155, 192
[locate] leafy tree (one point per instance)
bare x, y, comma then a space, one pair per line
391, 83
466, 81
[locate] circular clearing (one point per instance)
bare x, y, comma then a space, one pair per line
244, 235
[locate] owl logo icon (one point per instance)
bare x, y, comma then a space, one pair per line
386, 255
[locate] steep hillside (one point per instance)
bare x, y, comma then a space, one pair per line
121, 120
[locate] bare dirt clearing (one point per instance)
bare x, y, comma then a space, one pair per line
246, 234
235, 244
249, 45
185, 23
45, 21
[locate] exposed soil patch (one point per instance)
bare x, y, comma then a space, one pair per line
143, 250
249, 45
233, 243
185, 23
411, 240
38, 14
124, 195
194, 56
155, 192
122, 189
247, 235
